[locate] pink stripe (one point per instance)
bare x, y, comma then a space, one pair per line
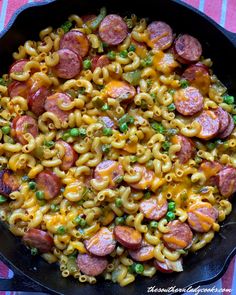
3, 271
13, 5
227, 279
194, 3
213, 9
230, 23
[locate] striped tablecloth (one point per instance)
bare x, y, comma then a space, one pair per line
223, 12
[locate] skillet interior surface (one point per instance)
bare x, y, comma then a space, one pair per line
209, 263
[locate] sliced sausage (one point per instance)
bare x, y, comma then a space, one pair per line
69, 157
51, 105
224, 118
227, 181
69, 66
169, 266
146, 179
37, 238
108, 122
22, 125
187, 148
99, 61
154, 208
188, 101
91, 265
36, 100
210, 170
49, 183
160, 34
144, 253
179, 235
210, 124
228, 130
18, 66
128, 236
187, 49
102, 243
17, 88
112, 169
113, 30
75, 41
120, 90
8, 182
198, 76
201, 216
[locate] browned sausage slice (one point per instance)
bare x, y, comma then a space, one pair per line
210, 124
51, 105
187, 148
144, 253
154, 208
120, 90
228, 130
49, 183
128, 236
69, 157
75, 41
22, 125
91, 265
179, 236
69, 66
39, 239
36, 100
224, 119
113, 30
102, 243
188, 101
160, 34
18, 66
146, 179
187, 49
198, 76
99, 61
201, 216
17, 88
227, 181
169, 266
8, 182
210, 170
112, 169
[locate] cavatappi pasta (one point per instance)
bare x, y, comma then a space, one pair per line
117, 147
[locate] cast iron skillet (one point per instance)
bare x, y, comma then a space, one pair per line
206, 266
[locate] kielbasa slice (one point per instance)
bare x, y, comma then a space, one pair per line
70, 64
160, 34
198, 76
187, 49
228, 130
210, 170
22, 125
113, 30
188, 101
227, 181
169, 266
17, 88
36, 238
224, 119
99, 61
146, 180
49, 183
154, 208
120, 90
179, 236
75, 41
36, 100
69, 157
109, 168
91, 265
8, 182
128, 236
186, 150
51, 105
201, 216
18, 66
102, 243
210, 124
144, 253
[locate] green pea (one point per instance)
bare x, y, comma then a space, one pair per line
211, 145
106, 148
107, 131
123, 127
132, 47
74, 132
138, 268
228, 99
105, 107
32, 185
2, 199
81, 90
65, 135
183, 83
87, 64
166, 145
123, 53
54, 207
111, 55
66, 26
82, 132
157, 127
133, 159
6, 129
49, 143
171, 107
118, 202
172, 91
61, 230
234, 118
40, 195
119, 220
77, 219
170, 216
82, 223
34, 251
25, 178
153, 224
171, 206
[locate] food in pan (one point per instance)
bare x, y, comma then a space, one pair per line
117, 147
